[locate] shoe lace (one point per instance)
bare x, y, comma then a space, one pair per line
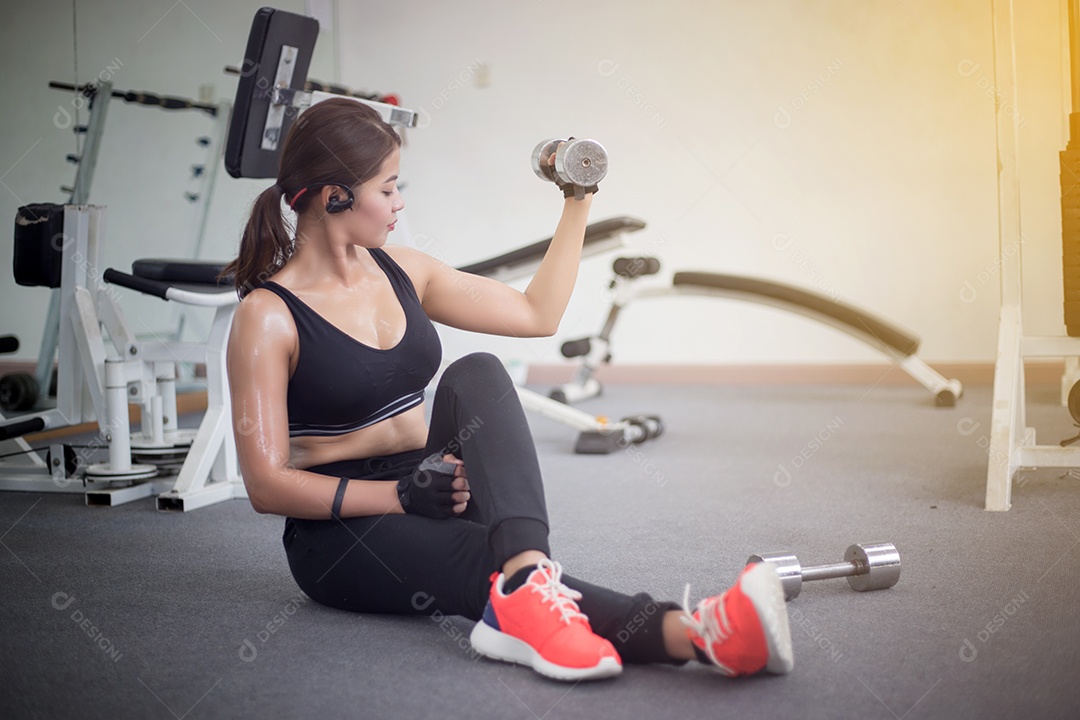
553, 591
711, 624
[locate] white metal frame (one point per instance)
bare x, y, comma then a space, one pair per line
94, 386
80, 194
1012, 442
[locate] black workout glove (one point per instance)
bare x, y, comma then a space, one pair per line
570, 190
577, 191
428, 490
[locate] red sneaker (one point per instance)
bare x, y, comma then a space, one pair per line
744, 629
540, 625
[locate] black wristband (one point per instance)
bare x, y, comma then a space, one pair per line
335, 511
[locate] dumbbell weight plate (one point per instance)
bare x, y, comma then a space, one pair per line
581, 162
639, 432
655, 426
787, 566
650, 425
883, 562
540, 154
18, 391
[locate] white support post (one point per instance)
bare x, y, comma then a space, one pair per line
1007, 419
1012, 443
116, 420
210, 473
89, 348
112, 317
95, 246
165, 372
70, 388
226, 467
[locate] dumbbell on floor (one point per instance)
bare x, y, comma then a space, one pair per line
869, 566
643, 427
578, 163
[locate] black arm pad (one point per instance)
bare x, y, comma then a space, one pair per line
18, 429
147, 287
9, 344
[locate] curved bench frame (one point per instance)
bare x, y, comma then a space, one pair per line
889, 339
858, 323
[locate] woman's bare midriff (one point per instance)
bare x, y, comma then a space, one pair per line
407, 431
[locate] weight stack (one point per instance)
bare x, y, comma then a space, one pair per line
1070, 229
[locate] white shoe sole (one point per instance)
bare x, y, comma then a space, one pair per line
762, 585
497, 645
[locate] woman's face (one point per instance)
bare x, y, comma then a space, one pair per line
377, 204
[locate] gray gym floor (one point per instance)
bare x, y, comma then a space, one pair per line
129, 613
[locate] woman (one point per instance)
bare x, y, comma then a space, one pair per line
331, 349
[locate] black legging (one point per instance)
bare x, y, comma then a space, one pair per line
409, 564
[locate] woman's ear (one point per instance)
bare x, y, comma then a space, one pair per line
337, 198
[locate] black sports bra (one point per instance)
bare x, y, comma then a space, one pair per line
340, 384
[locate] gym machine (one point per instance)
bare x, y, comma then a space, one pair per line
60, 247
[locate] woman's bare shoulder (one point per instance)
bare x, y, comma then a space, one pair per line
404, 255
263, 315
416, 264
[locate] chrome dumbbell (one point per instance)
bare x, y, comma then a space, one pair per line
870, 566
579, 163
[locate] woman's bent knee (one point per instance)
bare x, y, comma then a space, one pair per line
476, 367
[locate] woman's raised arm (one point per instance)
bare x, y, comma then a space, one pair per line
480, 304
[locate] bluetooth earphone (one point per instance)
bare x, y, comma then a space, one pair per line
335, 204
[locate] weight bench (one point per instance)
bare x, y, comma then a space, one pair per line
896, 343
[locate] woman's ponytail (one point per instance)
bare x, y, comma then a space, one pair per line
336, 141
265, 245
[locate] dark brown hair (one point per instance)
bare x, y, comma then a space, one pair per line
334, 141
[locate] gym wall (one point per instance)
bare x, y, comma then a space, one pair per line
844, 147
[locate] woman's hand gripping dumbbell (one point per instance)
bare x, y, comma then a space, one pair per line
576, 166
